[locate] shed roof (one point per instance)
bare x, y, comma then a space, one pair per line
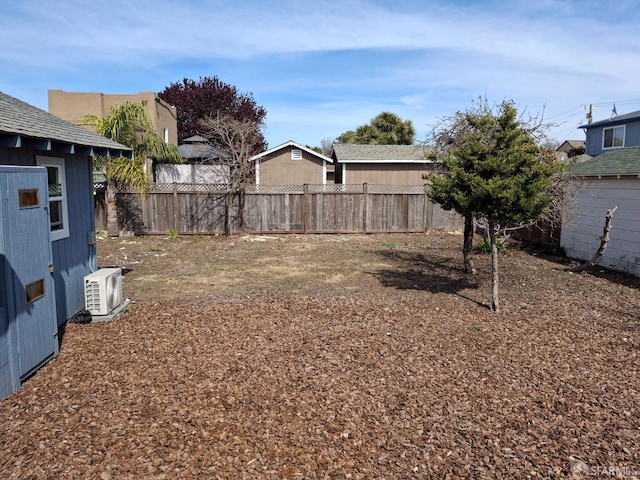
353, 153
195, 139
201, 151
614, 163
19, 119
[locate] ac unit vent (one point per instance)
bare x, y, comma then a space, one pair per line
103, 291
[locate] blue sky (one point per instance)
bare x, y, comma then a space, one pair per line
321, 67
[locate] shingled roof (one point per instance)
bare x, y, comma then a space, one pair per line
352, 153
19, 119
621, 162
197, 148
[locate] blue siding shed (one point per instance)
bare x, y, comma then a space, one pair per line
61, 153
31, 136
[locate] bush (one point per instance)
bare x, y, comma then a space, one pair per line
485, 246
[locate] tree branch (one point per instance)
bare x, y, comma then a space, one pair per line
604, 240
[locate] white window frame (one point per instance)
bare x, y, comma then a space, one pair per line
296, 154
59, 164
165, 134
614, 128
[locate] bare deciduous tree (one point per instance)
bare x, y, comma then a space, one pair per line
326, 145
238, 139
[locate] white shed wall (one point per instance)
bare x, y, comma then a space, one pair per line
189, 173
580, 236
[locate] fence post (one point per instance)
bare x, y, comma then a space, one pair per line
427, 213
365, 208
305, 207
176, 211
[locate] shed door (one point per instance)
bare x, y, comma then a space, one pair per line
28, 254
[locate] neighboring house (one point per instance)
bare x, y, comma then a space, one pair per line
570, 149
380, 164
291, 164
202, 164
74, 106
47, 231
612, 180
616, 132
198, 150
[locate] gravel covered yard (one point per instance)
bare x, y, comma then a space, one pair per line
337, 357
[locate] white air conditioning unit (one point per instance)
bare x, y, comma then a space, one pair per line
103, 290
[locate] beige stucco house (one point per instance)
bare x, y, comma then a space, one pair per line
73, 106
380, 164
291, 164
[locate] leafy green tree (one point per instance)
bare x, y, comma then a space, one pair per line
386, 128
495, 171
128, 124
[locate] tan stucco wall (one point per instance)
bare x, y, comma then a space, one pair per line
73, 106
279, 169
385, 174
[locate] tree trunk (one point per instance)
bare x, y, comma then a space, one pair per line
604, 240
112, 212
241, 198
467, 249
495, 301
228, 212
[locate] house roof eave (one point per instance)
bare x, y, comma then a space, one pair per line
290, 143
22, 123
617, 120
13, 140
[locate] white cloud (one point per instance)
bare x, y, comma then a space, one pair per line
322, 67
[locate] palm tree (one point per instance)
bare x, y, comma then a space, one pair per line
128, 124
393, 130
386, 128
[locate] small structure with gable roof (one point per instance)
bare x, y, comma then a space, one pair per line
291, 164
381, 164
203, 164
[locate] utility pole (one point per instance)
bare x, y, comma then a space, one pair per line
589, 112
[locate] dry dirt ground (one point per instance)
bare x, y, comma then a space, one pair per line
336, 357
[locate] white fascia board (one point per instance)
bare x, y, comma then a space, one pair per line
374, 162
291, 143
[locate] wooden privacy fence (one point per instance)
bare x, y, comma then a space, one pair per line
200, 209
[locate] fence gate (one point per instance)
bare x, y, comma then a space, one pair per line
28, 326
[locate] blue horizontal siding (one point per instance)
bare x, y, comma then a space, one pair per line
73, 258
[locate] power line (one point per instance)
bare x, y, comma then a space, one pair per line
619, 102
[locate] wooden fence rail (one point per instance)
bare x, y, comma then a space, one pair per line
200, 209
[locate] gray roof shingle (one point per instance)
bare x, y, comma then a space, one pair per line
20, 118
618, 162
346, 152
